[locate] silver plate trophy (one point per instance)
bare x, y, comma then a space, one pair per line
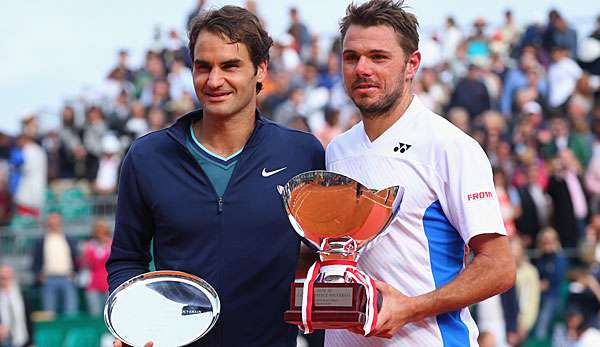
339, 217
169, 308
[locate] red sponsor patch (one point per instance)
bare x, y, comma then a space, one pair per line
480, 196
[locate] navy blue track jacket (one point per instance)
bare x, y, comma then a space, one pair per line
241, 243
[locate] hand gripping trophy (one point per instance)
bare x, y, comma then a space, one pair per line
339, 217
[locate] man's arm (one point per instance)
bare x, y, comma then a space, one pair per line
38, 256
491, 272
134, 229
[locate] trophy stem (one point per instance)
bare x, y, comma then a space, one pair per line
338, 248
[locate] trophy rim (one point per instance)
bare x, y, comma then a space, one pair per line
181, 276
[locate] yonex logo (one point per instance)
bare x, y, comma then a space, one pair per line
402, 147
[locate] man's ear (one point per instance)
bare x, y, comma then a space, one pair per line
261, 71
412, 65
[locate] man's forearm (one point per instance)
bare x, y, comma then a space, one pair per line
485, 276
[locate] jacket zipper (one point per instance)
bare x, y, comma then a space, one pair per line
220, 202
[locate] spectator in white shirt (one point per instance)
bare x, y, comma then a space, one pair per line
563, 75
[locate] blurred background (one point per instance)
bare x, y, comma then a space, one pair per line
81, 80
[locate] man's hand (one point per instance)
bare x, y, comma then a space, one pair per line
118, 343
544, 285
3, 332
395, 312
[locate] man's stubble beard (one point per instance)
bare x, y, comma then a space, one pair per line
382, 107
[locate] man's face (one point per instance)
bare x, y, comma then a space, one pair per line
376, 70
54, 222
224, 76
6, 275
557, 54
123, 56
548, 243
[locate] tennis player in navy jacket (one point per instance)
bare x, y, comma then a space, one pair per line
204, 189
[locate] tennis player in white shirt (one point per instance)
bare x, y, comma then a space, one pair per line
449, 198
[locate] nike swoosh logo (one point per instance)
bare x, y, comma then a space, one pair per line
266, 173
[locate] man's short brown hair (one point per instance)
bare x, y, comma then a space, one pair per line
384, 12
237, 25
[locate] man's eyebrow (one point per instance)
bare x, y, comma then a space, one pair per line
226, 62
380, 51
232, 61
372, 51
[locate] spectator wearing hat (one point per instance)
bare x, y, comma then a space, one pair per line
533, 114
108, 166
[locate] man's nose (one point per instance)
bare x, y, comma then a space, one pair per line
215, 78
363, 67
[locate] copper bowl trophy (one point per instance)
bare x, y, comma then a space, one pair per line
339, 217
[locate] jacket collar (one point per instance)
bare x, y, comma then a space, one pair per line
180, 128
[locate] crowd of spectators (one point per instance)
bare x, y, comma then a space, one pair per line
528, 94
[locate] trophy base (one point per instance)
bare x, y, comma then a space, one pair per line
335, 306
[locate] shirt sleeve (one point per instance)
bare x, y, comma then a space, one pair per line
468, 195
